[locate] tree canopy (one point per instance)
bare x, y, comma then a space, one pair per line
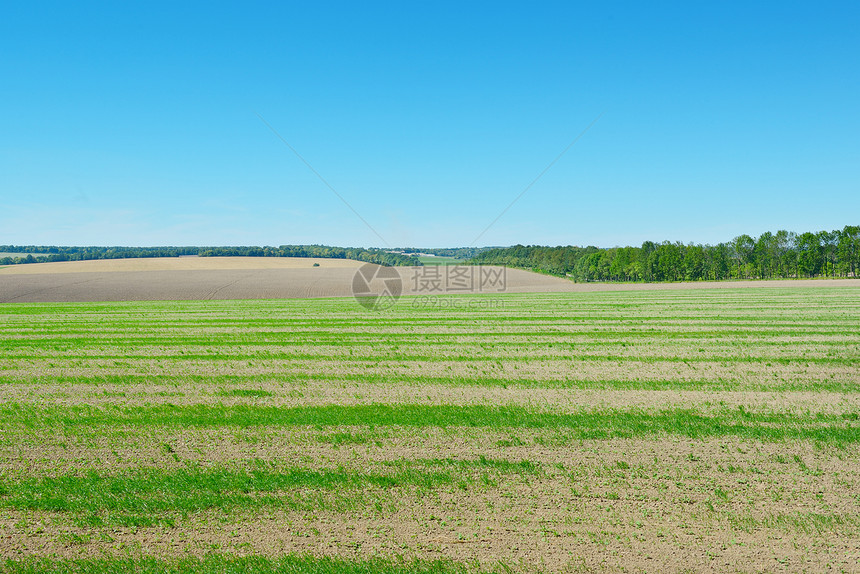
782, 254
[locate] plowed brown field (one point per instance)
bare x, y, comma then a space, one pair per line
201, 278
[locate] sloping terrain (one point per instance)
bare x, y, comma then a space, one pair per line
192, 278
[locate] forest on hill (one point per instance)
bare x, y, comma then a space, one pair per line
772, 255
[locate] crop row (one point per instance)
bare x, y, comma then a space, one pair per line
590, 424
180, 383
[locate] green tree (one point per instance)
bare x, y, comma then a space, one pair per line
694, 263
827, 240
744, 251
808, 254
848, 250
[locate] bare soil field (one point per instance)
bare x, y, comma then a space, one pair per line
233, 278
608, 431
185, 263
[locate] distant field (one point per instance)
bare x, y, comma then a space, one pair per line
440, 260
231, 278
189, 263
225, 278
659, 430
17, 255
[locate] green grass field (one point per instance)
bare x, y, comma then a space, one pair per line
701, 429
440, 260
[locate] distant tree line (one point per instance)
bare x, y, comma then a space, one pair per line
48, 253
379, 256
772, 255
42, 253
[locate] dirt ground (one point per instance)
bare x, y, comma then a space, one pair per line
200, 278
189, 263
607, 506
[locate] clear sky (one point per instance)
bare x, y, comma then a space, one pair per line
135, 123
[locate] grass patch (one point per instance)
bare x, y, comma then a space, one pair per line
153, 496
440, 260
817, 385
145, 497
590, 424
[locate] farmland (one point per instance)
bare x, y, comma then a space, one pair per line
232, 278
224, 278
659, 429
440, 260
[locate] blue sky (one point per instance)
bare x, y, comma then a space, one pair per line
136, 123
